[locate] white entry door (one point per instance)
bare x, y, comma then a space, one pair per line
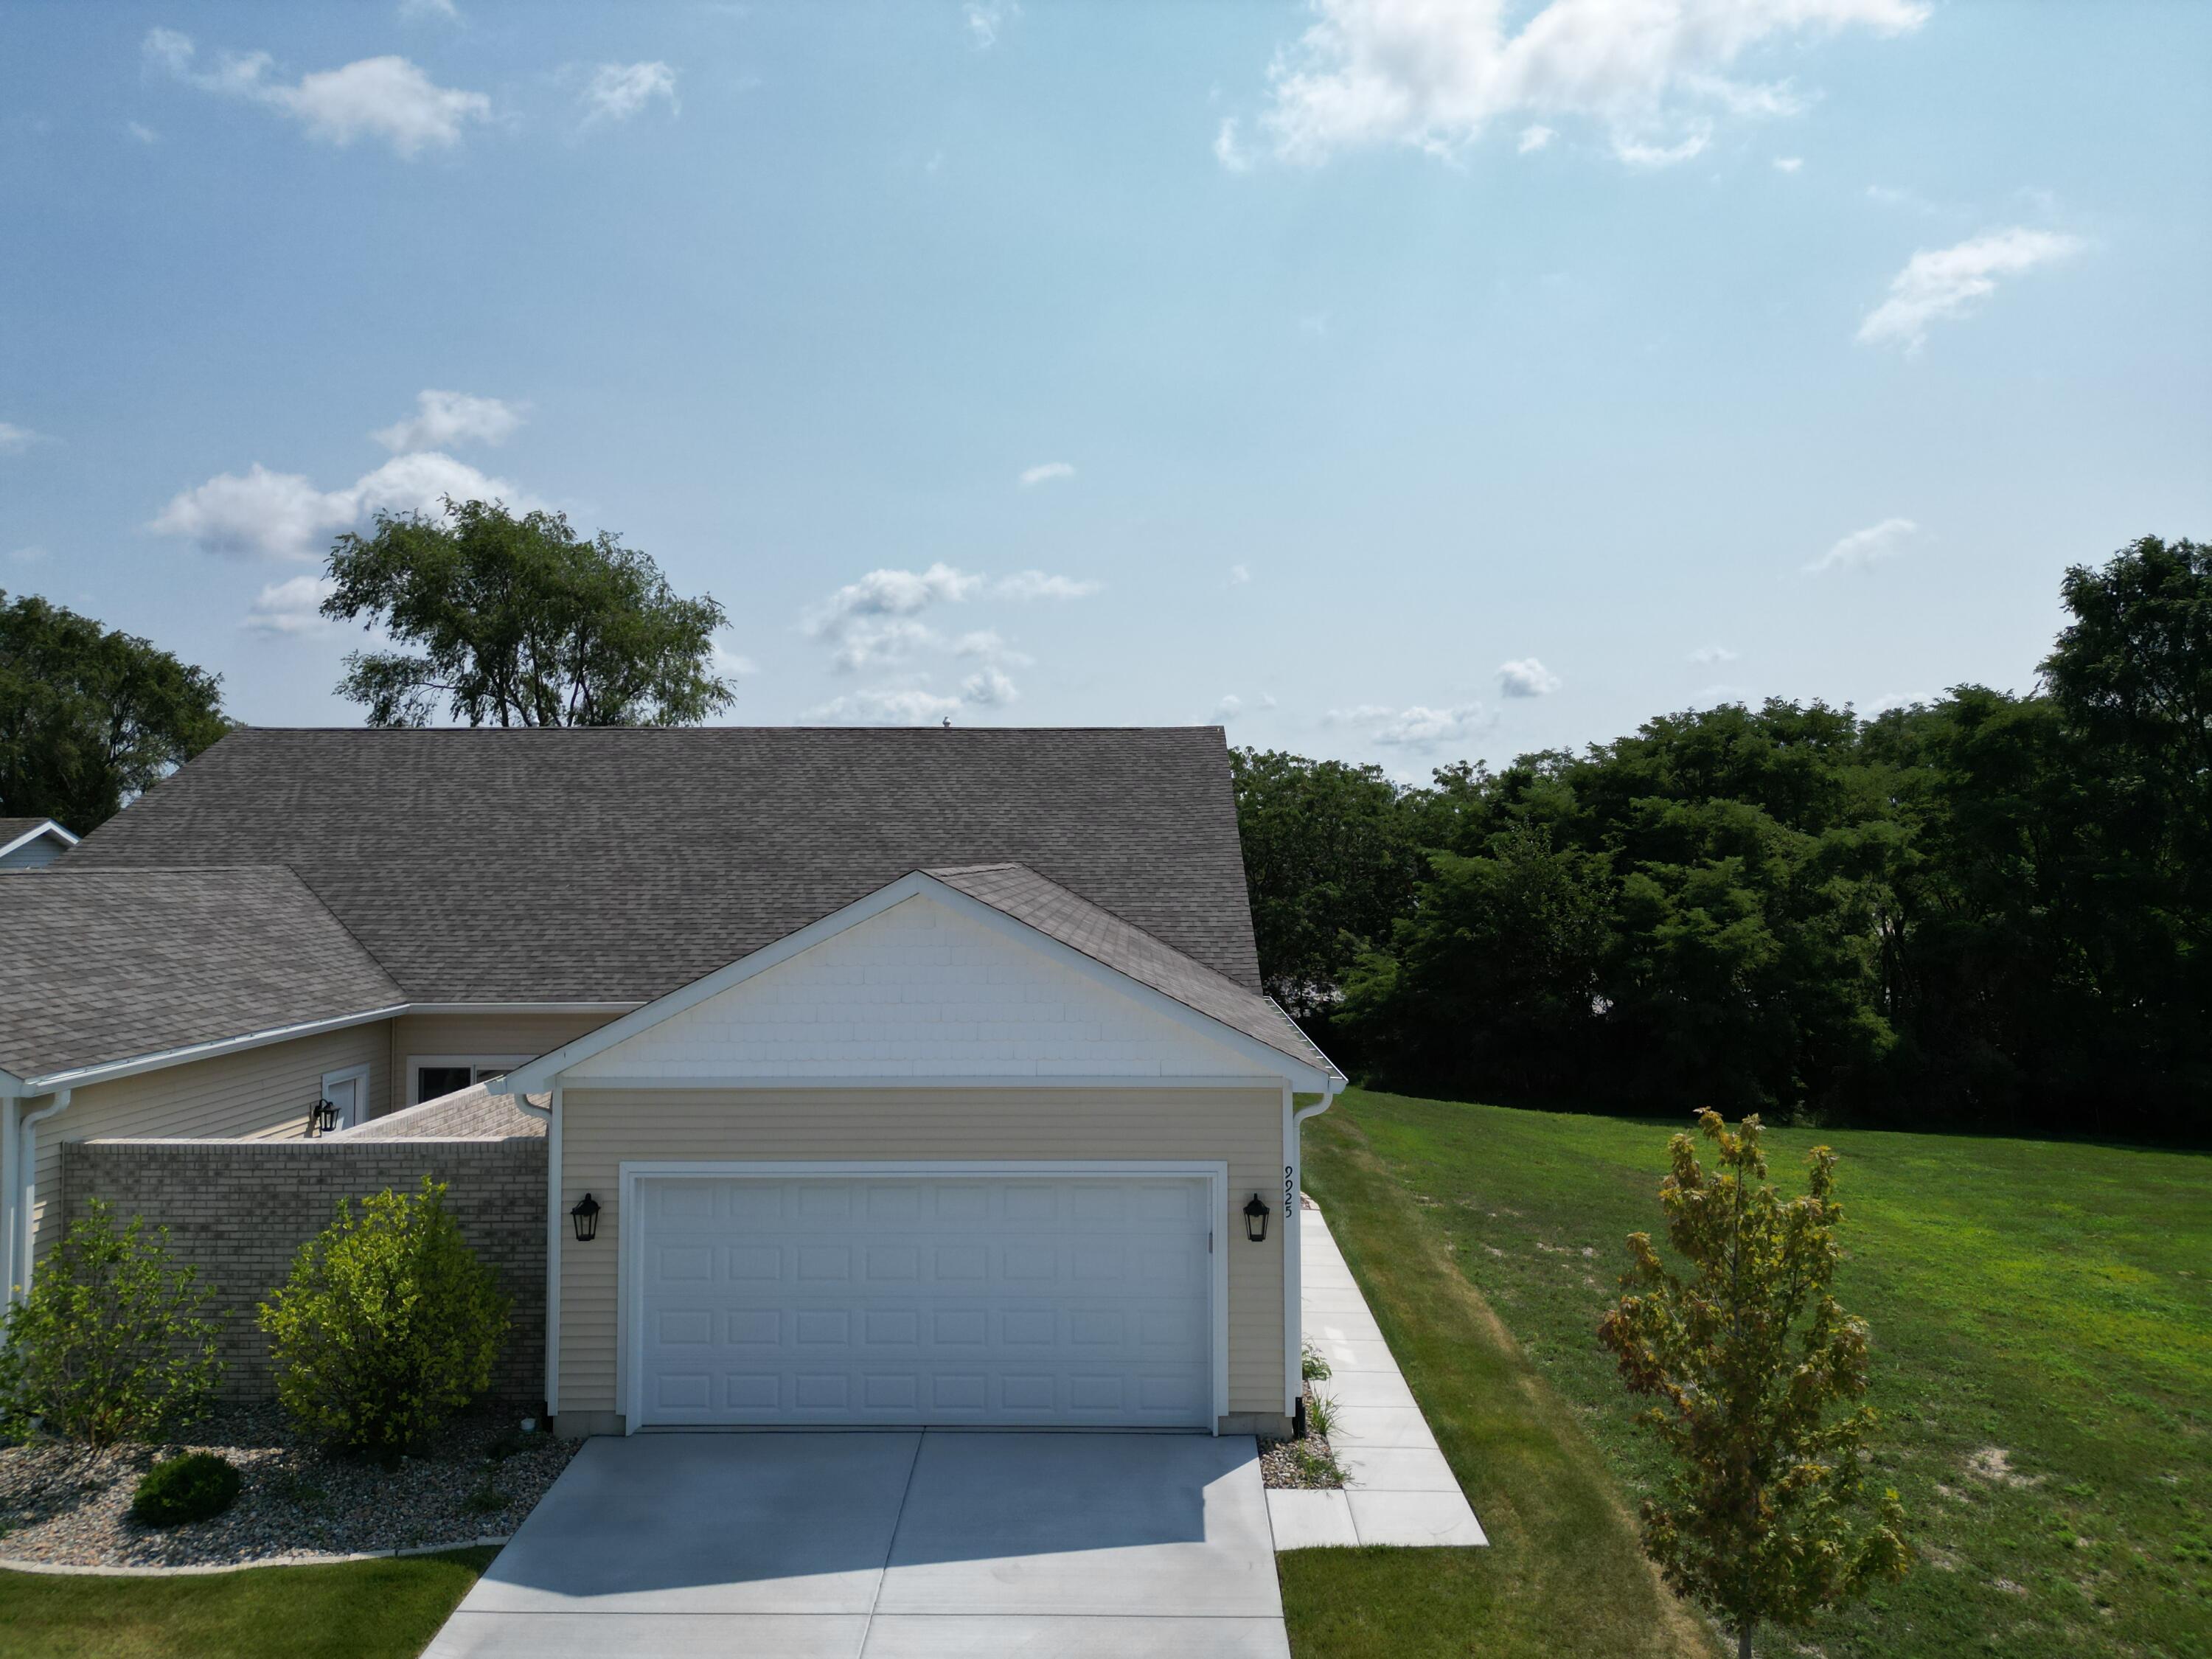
990, 1300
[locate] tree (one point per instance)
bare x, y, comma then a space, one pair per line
1329, 859
92, 717
519, 621
1747, 1360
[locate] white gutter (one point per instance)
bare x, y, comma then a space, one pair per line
1294, 1246
27, 1191
555, 1218
82, 1075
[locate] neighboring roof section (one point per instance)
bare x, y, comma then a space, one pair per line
470, 1113
109, 965
617, 864
32, 843
1016, 890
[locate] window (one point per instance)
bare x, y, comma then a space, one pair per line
430, 1076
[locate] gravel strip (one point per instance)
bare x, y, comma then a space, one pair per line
64, 1505
1306, 1463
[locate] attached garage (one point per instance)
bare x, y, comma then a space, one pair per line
968, 1152
963, 1296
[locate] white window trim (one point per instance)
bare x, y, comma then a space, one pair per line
493, 1064
358, 1076
630, 1285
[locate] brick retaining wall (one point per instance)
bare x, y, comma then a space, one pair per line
240, 1210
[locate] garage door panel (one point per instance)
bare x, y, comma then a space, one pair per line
1082, 1300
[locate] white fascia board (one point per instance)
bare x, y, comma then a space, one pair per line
525, 1007
906, 1079
11, 1086
1274, 1063
154, 1062
49, 828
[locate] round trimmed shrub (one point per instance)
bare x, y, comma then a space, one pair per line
193, 1487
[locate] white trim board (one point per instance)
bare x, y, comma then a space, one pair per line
358, 1076
629, 1291
48, 827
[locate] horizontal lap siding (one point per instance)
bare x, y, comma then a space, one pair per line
488, 1033
260, 1094
601, 1129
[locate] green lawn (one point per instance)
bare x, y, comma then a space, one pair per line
2042, 1317
1564, 1574
383, 1609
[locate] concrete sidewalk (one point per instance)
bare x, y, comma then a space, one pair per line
1398, 1488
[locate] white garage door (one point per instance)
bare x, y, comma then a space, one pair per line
992, 1300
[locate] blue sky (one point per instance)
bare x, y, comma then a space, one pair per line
1390, 381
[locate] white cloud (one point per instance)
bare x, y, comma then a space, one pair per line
28, 555
869, 643
1434, 75
1898, 700
1526, 678
451, 418
386, 98
1713, 696
278, 515
907, 706
1417, 727
290, 607
1036, 585
1706, 656
15, 440
890, 593
443, 11
732, 664
616, 92
142, 132
1788, 163
1861, 548
984, 18
281, 515
988, 644
1231, 707
988, 687
1638, 154
1046, 473
1535, 138
1226, 148
1239, 575
1944, 282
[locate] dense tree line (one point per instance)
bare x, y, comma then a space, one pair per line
1992, 910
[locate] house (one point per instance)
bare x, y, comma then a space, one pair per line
32, 843
911, 1076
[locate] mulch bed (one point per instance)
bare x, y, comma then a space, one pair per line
63, 1503
1300, 1464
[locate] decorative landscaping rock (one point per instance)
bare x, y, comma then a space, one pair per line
1300, 1464
62, 1503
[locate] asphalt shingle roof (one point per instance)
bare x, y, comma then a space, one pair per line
614, 864
1018, 891
104, 965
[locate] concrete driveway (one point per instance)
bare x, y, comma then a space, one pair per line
898, 1546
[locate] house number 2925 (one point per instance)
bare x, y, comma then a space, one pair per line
1290, 1190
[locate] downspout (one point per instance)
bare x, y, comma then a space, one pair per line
27, 1190
1294, 1246
554, 1218
9, 1184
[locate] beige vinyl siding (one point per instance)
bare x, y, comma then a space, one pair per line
601, 1129
488, 1033
257, 1094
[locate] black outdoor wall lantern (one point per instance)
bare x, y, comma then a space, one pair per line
323, 1117
1256, 1219
586, 1215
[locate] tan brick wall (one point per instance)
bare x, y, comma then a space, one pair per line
239, 1211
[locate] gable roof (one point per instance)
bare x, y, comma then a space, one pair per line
13, 832
1018, 891
617, 864
1047, 915
107, 966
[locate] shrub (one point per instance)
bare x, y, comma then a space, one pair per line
388, 1324
193, 1487
110, 1344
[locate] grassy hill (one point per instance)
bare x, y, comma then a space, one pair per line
2042, 1319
